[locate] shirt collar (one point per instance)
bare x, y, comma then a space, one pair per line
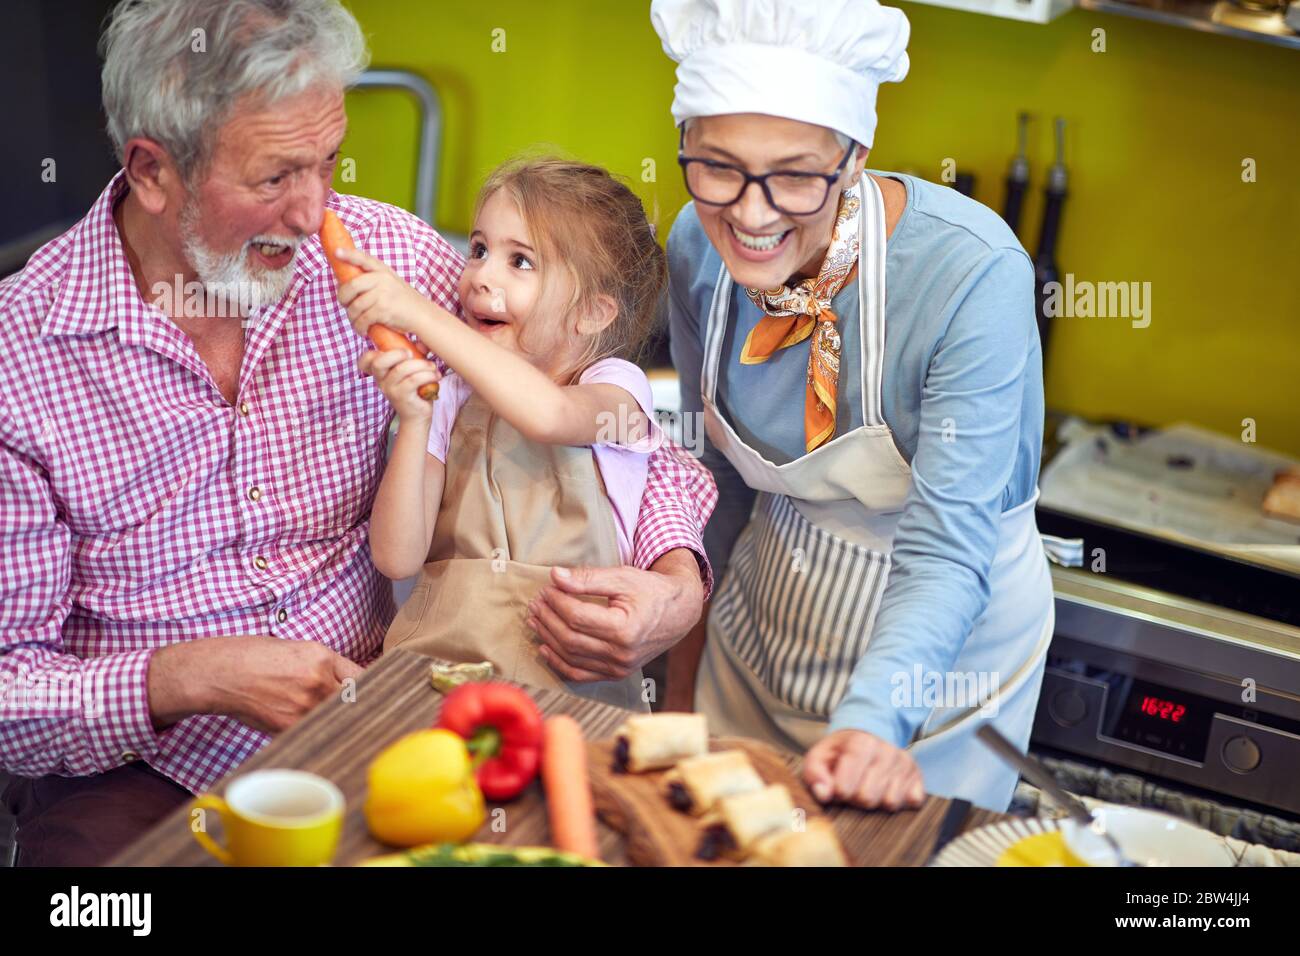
97, 290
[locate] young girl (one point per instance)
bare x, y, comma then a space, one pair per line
535, 452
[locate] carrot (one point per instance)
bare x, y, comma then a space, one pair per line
568, 792
333, 237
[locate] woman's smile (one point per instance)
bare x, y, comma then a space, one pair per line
758, 247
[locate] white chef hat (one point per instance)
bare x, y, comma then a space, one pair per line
818, 61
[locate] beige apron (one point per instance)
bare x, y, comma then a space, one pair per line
797, 603
511, 509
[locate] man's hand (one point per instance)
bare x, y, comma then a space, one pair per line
851, 766
648, 612
266, 682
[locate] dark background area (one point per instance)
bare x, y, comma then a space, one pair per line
49, 109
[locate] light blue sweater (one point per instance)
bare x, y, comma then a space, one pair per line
962, 394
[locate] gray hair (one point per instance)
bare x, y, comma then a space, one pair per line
174, 69
842, 138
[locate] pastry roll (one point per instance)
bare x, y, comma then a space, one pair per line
698, 783
654, 741
1283, 499
816, 846
739, 821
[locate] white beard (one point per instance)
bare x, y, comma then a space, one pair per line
228, 277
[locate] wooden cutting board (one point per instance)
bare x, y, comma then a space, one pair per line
635, 804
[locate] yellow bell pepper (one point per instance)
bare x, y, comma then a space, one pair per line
422, 790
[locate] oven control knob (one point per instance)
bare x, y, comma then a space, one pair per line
1241, 754
1068, 707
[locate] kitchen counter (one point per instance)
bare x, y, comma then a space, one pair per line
394, 697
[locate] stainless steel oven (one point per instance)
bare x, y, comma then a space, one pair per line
1177, 664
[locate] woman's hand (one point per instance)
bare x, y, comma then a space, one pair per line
400, 378
852, 766
380, 296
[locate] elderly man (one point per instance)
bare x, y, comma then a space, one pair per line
185, 487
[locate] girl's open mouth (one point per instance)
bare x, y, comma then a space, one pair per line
488, 323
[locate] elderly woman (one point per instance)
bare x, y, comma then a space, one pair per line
863, 349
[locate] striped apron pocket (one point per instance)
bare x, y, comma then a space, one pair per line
797, 605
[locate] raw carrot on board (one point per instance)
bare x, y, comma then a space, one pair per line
333, 237
569, 804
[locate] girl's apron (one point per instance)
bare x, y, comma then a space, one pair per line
798, 601
511, 508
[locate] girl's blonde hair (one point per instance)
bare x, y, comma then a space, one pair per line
593, 226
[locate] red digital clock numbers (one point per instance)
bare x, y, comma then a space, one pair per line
1164, 709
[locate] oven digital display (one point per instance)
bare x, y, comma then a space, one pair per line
1158, 718
1163, 709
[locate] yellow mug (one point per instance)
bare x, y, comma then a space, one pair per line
272, 818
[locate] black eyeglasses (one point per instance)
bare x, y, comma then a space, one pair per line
721, 184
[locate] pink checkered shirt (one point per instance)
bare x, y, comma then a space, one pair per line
128, 515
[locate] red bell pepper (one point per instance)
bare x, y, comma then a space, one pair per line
502, 727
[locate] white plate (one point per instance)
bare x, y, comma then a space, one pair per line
1147, 837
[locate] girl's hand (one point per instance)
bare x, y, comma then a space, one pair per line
852, 766
379, 296
399, 377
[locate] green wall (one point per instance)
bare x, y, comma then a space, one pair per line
1159, 125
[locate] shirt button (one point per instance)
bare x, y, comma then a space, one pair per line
282, 615
130, 756
254, 493
243, 408
260, 563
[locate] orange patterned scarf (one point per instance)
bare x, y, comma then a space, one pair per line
793, 314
